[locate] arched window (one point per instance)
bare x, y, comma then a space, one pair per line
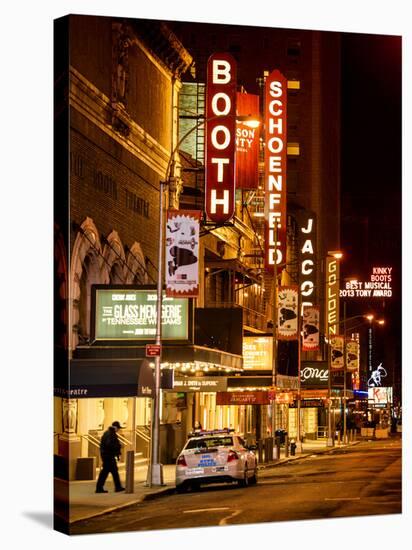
136, 273
87, 268
116, 274
60, 291
90, 275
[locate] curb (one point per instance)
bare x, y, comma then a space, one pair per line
148, 496
305, 455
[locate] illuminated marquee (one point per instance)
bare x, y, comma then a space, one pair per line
220, 137
275, 169
257, 352
307, 233
378, 286
332, 295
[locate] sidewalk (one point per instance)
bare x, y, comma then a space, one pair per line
85, 503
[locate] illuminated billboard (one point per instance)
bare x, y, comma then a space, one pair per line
257, 352
122, 313
332, 295
380, 396
307, 254
275, 169
379, 285
220, 137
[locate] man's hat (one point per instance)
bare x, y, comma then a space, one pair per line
116, 424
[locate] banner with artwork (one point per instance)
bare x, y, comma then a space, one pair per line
336, 351
310, 328
287, 313
352, 355
182, 253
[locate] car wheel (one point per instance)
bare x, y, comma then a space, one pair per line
245, 481
254, 478
195, 486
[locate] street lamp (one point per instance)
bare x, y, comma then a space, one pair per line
345, 320
155, 470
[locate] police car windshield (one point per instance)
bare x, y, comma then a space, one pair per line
209, 442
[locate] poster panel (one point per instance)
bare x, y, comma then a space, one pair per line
257, 352
336, 351
182, 253
310, 328
287, 310
352, 356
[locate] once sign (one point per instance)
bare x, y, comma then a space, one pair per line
220, 137
314, 374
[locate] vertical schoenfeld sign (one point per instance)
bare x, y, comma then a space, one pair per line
220, 137
275, 169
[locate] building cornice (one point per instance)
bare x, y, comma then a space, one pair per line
97, 108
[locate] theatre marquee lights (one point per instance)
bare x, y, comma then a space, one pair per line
307, 242
275, 169
220, 137
379, 285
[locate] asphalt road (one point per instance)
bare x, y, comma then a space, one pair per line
361, 480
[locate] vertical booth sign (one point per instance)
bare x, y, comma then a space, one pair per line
182, 253
247, 142
275, 169
220, 137
288, 313
310, 329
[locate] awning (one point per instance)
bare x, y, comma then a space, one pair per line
108, 378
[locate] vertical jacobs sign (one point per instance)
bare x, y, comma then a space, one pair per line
307, 242
275, 169
220, 137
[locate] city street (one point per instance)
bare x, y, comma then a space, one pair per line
361, 480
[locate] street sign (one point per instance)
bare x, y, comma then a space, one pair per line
153, 350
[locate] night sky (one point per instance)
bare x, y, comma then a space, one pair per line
371, 150
371, 174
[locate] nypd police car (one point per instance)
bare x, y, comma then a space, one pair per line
217, 456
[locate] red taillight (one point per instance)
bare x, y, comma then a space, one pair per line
232, 456
181, 461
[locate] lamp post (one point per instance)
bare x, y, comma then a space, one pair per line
155, 470
275, 341
344, 322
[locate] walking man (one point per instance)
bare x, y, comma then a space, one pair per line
110, 449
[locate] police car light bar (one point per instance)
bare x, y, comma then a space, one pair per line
211, 432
